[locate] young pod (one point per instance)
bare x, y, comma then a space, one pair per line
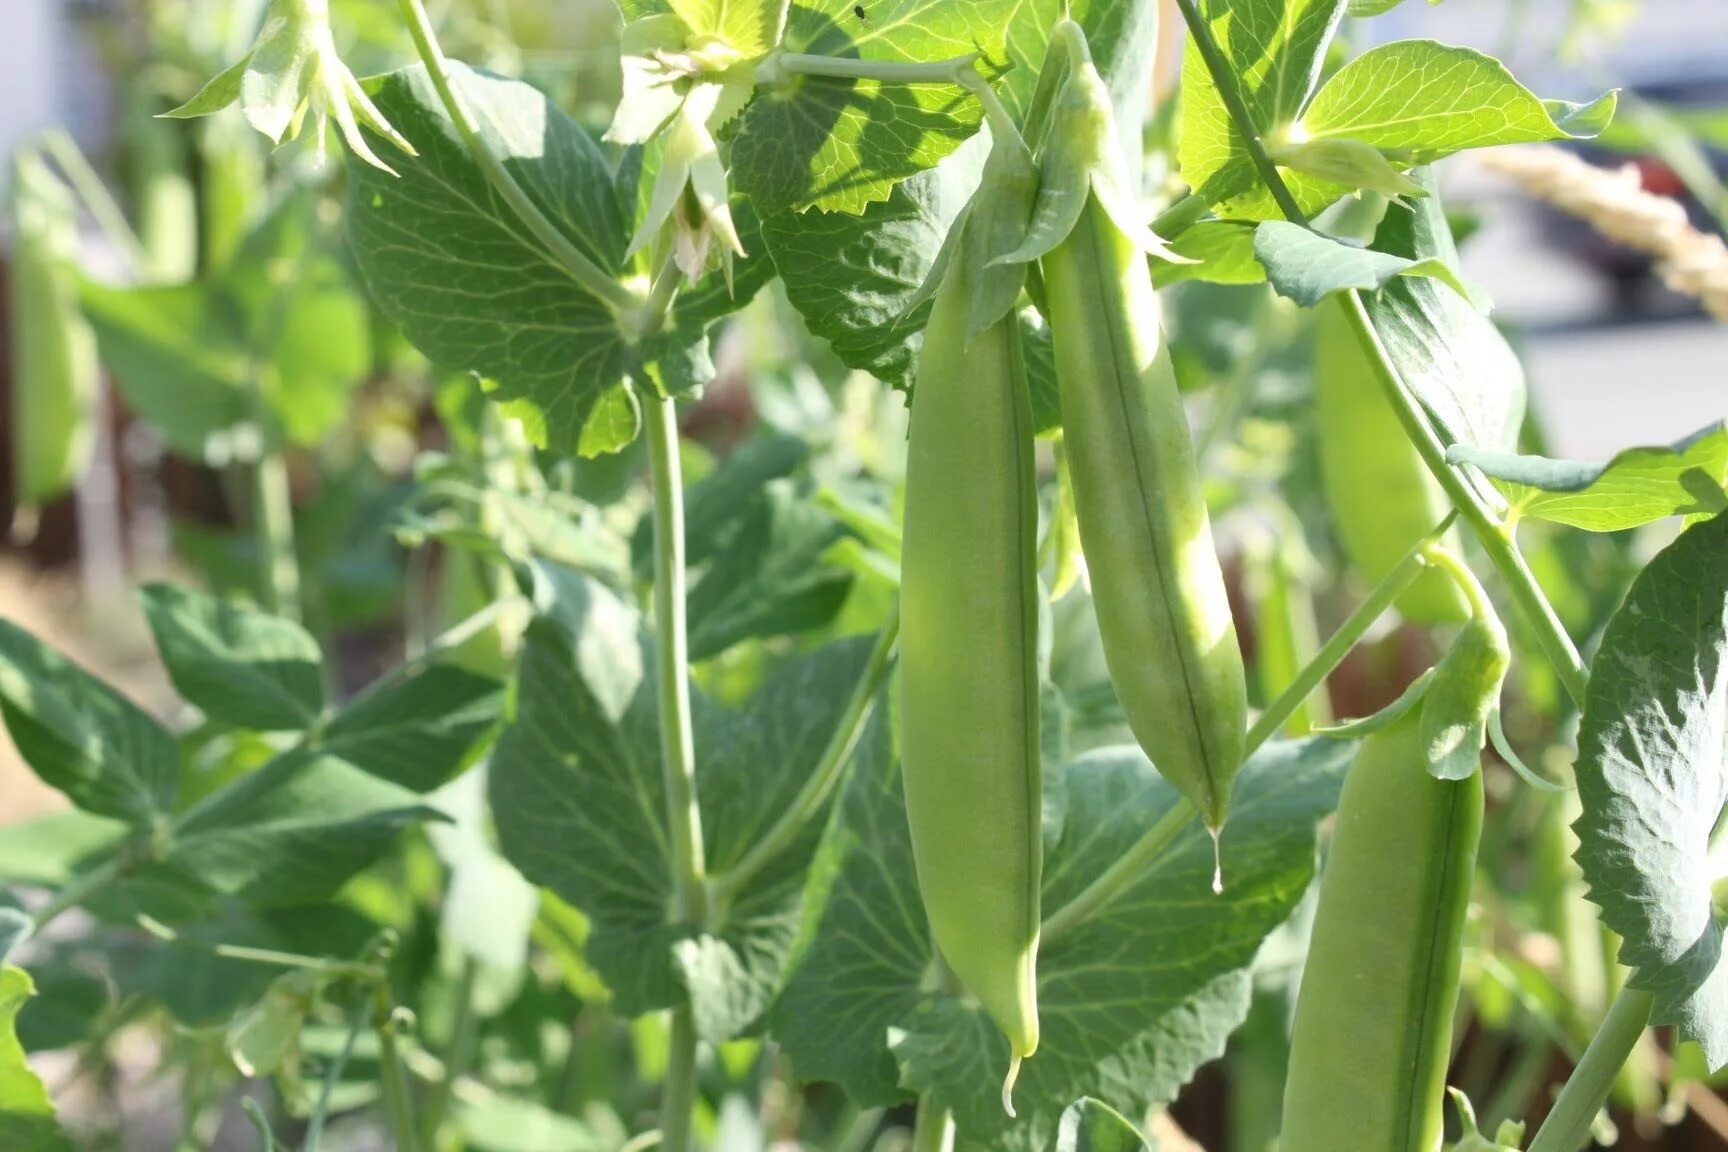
1382, 498
54, 366
1169, 638
1373, 1029
969, 636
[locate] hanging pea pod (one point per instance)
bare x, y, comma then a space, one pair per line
1169, 638
1373, 1031
969, 602
54, 366
1382, 498
1286, 633
164, 202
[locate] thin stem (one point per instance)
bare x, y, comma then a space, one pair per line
1127, 867
1448, 561
1567, 1126
393, 1072
820, 783
588, 275
1120, 874
1002, 125
1223, 79
678, 765
779, 65
273, 519
464, 1038
80, 889
1348, 635
454, 636
1493, 534
651, 317
95, 195
933, 1130
332, 1077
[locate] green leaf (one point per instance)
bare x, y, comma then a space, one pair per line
1653, 778
715, 507
841, 145
469, 285
1089, 1125
1222, 251
27, 1121
82, 737
1275, 49
68, 1003
1307, 267
1638, 486
239, 665
45, 851
494, 1123
576, 790
417, 732
1423, 100
1131, 1002
292, 832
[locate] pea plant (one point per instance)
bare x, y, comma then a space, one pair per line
967, 748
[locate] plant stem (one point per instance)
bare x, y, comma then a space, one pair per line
1487, 526
80, 889
464, 1037
273, 521
95, 195
933, 1130
835, 756
779, 65
1127, 867
1568, 1124
678, 764
392, 1072
588, 275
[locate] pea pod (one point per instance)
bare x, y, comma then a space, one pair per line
969, 631
1382, 498
1169, 638
1373, 1029
54, 367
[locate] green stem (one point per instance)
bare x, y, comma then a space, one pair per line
273, 521
81, 889
95, 195
464, 1039
1493, 534
393, 1072
588, 275
1568, 1124
332, 1077
678, 765
779, 65
657, 305
1128, 867
820, 783
933, 1131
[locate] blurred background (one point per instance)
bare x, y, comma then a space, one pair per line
1614, 357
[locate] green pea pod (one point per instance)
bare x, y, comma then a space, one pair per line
1382, 498
1373, 1029
163, 198
1169, 638
54, 366
969, 638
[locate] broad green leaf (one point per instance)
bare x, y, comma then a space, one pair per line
576, 791
1421, 100
474, 290
82, 737
841, 145
68, 1002
715, 506
1222, 251
27, 1122
1275, 49
264, 1040
45, 851
1131, 1002
1089, 1125
239, 665
292, 832
750, 27
489, 909
1306, 267
1638, 486
1653, 778
417, 732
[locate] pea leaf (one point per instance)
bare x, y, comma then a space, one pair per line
1639, 485
27, 1121
45, 851
82, 737
1222, 252
840, 145
1275, 49
576, 789
1306, 267
1089, 1125
1653, 778
475, 291
239, 665
417, 732
1131, 1002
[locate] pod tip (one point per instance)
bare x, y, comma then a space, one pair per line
1217, 859
1008, 1084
